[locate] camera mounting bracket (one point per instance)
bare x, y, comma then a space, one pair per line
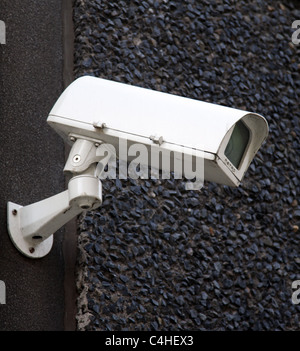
31, 227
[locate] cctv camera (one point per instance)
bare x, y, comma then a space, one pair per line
224, 139
103, 120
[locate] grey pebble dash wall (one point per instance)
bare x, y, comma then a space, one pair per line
158, 257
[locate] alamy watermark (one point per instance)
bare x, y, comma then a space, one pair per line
296, 293
2, 293
138, 161
2, 33
296, 34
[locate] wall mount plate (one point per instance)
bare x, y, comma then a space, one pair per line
34, 248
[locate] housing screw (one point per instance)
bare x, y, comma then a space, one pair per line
76, 158
14, 212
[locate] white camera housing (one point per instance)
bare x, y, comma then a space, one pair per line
107, 111
93, 112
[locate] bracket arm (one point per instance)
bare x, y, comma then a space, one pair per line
31, 227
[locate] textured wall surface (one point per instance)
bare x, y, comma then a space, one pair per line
31, 158
158, 257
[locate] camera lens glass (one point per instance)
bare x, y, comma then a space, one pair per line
237, 144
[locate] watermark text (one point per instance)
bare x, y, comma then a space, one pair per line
138, 161
296, 34
2, 293
2, 33
296, 293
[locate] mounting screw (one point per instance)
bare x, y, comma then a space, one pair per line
99, 125
14, 212
76, 158
31, 250
156, 139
